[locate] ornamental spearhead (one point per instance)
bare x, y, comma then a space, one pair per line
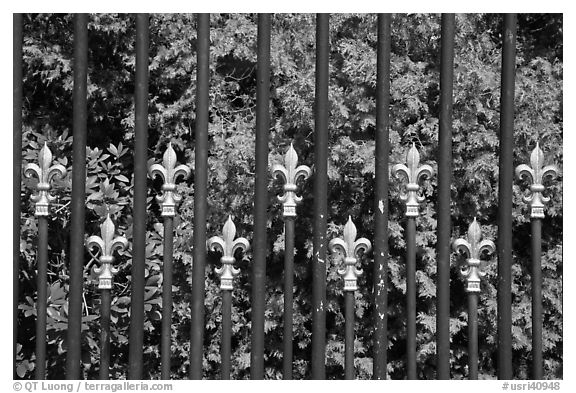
227, 246
350, 247
536, 174
45, 173
169, 173
413, 173
106, 243
290, 173
473, 248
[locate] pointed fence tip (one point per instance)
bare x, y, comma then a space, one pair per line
291, 157
474, 231
45, 155
413, 156
229, 230
350, 231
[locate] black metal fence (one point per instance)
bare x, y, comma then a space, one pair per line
410, 172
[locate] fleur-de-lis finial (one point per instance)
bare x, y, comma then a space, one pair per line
473, 249
169, 173
413, 173
227, 246
107, 244
350, 247
45, 173
536, 175
290, 173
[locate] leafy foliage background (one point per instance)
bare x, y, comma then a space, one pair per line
48, 82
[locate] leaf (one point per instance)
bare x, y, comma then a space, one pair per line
22, 369
122, 178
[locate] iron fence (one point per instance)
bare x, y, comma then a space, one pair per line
410, 172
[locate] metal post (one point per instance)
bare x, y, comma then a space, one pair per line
444, 182
105, 299
106, 244
290, 173
320, 199
226, 348
413, 173
200, 195
505, 199
473, 335
16, 174
411, 297
45, 171
169, 173
166, 343
42, 284
288, 297
227, 246
473, 247
537, 363
140, 193
260, 197
536, 173
349, 371
381, 198
77, 205
349, 247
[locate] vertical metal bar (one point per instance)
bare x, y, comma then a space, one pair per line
505, 199
320, 199
536, 298
105, 299
260, 197
167, 297
349, 336
16, 173
411, 297
473, 247
226, 350
288, 296
200, 194
444, 182
381, 197
140, 192
77, 204
473, 335
42, 284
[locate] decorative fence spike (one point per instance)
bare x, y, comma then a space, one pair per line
169, 173
107, 244
536, 174
350, 247
473, 248
536, 200
413, 173
45, 173
227, 246
290, 173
